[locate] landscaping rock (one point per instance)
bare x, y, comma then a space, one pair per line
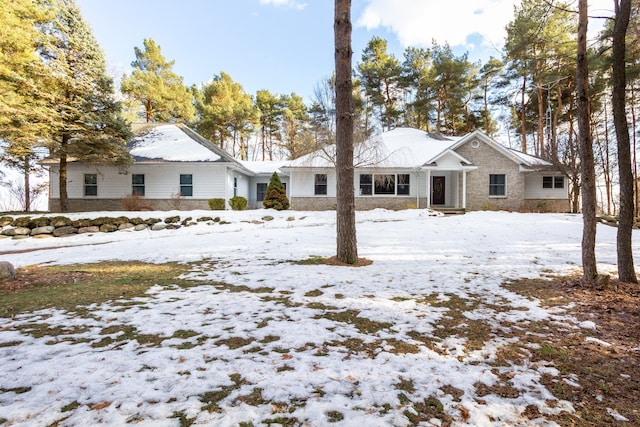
60, 221
20, 237
140, 227
158, 226
43, 236
67, 230
5, 220
267, 218
17, 231
108, 228
125, 226
7, 272
89, 229
48, 229
173, 226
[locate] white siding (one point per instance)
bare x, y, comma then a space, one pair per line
533, 188
162, 181
303, 182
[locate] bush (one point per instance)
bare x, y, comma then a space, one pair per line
216, 204
238, 203
276, 197
134, 202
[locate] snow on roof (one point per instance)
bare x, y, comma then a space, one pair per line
528, 159
400, 147
264, 167
170, 143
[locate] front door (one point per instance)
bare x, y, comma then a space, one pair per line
437, 190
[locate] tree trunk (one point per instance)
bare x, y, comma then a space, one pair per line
27, 185
587, 167
626, 272
64, 199
347, 248
523, 120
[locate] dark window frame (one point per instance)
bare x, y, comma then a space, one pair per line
497, 185
261, 191
186, 185
320, 184
91, 188
138, 184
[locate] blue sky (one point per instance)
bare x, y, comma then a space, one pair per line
286, 46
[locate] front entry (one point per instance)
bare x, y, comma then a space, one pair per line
437, 190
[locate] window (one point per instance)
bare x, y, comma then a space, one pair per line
366, 184
385, 184
403, 184
186, 185
235, 186
137, 184
497, 185
261, 191
90, 184
552, 182
320, 184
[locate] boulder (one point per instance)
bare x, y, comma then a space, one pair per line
108, 228
47, 229
67, 230
16, 231
125, 226
89, 229
158, 226
7, 272
140, 227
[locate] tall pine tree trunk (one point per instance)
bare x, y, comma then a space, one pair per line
27, 185
64, 199
347, 248
626, 272
587, 167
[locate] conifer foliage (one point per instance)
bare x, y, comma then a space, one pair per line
276, 197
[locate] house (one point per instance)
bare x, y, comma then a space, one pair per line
407, 167
173, 168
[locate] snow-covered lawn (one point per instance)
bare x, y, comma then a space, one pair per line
264, 340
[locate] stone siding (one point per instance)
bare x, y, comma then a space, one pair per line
490, 161
547, 205
361, 203
88, 205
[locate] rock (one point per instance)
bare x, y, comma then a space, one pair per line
172, 219
17, 231
60, 221
108, 228
47, 229
125, 226
158, 226
267, 218
7, 272
5, 220
20, 237
43, 236
140, 227
67, 230
173, 226
89, 229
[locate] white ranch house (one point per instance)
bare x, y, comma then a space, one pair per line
175, 168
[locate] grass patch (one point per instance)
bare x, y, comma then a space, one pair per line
364, 325
70, 287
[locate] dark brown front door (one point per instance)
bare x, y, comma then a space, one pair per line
437, 190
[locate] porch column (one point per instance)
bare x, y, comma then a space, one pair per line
428, 188
464, 189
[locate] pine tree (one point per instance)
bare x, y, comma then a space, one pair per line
27, 112
276, 196
89, 127
156, 87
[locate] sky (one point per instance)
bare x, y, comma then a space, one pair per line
286, 46
297, 353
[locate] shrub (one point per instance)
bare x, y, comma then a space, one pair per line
238, 203
216, 204
134, 202
276, 197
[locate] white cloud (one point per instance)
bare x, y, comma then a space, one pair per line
418, 22
293, 4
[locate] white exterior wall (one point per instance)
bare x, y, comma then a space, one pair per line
302, 182
161, 181
533, 188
